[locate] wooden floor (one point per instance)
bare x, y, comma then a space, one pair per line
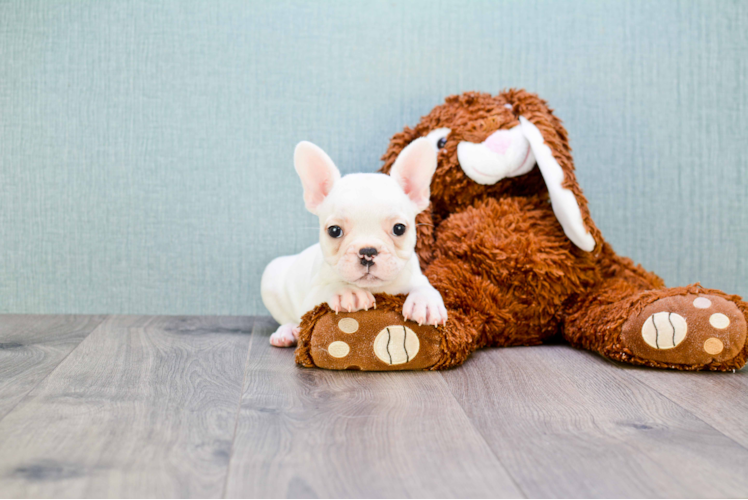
126, 406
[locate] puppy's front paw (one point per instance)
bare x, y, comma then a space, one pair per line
285, 336
352, 300
425, 307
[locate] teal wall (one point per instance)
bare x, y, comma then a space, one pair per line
146, 147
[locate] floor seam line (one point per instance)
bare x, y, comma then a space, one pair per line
483, 438
239, 407
106, 317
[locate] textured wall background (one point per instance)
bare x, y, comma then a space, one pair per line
145, 147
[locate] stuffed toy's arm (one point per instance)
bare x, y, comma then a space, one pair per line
426, 237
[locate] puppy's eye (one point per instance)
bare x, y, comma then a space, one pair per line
441, 142
398, 229
335, 231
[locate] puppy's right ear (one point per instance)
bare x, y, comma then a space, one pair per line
317, 172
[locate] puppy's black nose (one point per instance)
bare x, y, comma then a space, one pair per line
367, 256
368, 252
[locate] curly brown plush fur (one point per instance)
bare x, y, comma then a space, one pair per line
509, 275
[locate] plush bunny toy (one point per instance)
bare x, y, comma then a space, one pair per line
509, 242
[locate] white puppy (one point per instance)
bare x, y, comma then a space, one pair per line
367, 242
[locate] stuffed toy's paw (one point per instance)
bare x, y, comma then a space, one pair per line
703, 330
373, 340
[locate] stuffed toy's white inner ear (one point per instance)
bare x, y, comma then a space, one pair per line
317, 172
413, 169
564, 202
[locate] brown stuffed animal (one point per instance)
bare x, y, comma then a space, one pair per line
509, 242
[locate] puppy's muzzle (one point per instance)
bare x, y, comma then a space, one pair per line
366, 256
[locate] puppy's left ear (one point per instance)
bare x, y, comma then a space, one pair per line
413, 170
317, 172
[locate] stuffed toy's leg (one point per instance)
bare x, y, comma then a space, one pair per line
380, 339
684, 328
480, 314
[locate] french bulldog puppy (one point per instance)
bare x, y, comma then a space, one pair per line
367, 242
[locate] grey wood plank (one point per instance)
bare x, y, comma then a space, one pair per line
144, 407
31, 346
316, 433
721, 399
566, 423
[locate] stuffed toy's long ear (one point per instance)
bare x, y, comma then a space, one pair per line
413, 170
317, 172
564, 203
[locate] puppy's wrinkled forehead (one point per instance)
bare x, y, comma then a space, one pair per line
375, 193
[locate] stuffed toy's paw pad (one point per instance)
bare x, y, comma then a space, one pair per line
687, 329
373, 341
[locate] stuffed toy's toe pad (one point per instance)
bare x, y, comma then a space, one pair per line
373, 341
687, 329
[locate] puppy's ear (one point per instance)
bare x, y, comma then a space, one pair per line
317, 172
398, 142
413, 170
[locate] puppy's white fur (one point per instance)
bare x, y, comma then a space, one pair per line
366, 208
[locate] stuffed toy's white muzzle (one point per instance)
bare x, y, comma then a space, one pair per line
505, 153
